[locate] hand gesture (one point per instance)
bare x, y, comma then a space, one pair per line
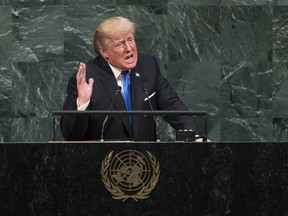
84, 88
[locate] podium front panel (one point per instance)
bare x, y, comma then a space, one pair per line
138, 178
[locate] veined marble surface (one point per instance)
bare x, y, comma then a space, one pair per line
226, 57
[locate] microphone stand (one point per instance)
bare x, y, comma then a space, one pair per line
106, 117
155, 120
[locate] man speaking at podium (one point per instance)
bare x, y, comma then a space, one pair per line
95, 86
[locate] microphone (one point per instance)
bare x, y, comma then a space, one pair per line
155, 119
110, 107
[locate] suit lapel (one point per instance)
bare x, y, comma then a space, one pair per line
137, 97
109, 82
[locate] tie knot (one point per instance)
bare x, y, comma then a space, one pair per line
124, 73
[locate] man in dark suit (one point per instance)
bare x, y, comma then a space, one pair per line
94, 87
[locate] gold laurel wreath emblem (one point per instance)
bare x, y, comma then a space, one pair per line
117, 193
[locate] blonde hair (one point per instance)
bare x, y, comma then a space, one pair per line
111, 28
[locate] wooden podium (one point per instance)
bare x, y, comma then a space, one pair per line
143, 178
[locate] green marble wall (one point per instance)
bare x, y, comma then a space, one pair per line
228, 57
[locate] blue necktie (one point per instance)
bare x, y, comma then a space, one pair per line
127, 91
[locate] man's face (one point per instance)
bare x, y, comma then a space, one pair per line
121, 52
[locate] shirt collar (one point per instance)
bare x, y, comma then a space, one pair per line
116, 71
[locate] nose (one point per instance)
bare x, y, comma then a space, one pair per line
128, 46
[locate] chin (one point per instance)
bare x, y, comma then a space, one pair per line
130, 66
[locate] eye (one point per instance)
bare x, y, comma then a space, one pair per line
119, 44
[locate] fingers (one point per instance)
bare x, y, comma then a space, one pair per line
81, 74
91, 81
81, 70
84, 89
82, 67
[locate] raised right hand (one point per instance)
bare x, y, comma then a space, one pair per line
84, 88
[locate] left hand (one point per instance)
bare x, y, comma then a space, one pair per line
202, 140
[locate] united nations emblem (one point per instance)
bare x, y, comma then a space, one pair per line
130, 174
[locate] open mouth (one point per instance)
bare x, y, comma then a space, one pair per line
129, 58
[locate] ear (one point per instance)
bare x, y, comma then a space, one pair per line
103, 53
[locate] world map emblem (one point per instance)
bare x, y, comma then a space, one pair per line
130, 174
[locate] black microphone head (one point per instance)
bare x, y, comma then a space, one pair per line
119, 89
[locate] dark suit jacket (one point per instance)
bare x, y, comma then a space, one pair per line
147, 75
